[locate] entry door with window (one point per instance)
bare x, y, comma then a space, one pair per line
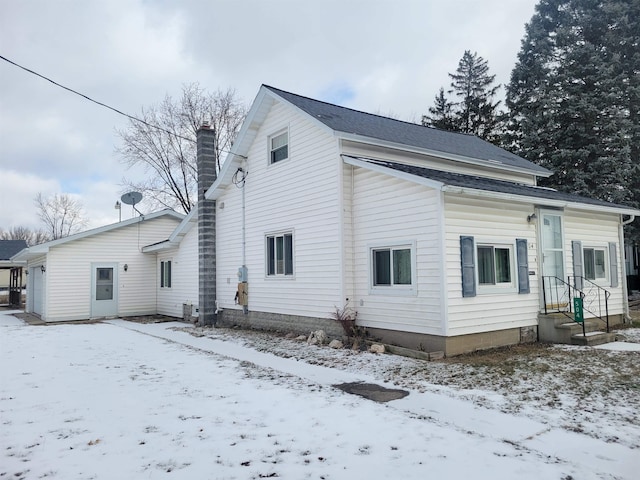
555, 291
104, 298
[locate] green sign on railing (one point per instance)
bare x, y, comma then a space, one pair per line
578, 310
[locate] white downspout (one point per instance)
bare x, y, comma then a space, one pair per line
625, 292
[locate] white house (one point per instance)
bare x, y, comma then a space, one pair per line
98, 273
438, 240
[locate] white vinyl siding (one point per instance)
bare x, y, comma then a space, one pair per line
68, 282
383, 219
303, 197
490, 223
184, 273
595, 230
421, 160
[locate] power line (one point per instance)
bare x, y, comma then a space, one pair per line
131, 117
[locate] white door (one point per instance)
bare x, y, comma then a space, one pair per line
104, 290
37, 291
556, 294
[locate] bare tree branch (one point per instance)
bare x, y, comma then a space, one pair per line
167, 156
61, 215
32, 237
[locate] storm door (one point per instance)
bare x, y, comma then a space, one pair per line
104, 298
556, 295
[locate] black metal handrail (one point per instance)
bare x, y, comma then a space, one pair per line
557, 293
594, 297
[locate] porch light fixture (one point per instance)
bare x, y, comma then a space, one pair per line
533, 216
126, 267
43, 268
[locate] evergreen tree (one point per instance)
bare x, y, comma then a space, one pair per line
472, 84
441, 114
474, 111
574, 97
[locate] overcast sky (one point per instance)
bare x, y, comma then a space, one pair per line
380, 56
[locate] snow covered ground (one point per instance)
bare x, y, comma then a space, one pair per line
131, 400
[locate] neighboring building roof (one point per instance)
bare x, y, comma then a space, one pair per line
361, 124
541, 195
43, 248
8, 248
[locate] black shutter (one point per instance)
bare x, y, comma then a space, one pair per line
468, 266
522, 254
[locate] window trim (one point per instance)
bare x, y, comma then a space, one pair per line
601, 281
165, 273
502, 287
267, 264
270, 149
393, 289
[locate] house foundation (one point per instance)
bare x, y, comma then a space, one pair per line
277, 322
457, 345
451, 346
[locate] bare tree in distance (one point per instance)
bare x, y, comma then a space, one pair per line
32, 237
168, 155
61, 215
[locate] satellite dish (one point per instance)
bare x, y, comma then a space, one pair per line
131, 198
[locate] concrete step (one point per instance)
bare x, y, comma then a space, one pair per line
593, 338
589, 326
559, 328
557, 318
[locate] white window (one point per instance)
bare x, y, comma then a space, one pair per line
279, 254
392, 268
595, 263
496, 269
489, 267
165, 274
279, 147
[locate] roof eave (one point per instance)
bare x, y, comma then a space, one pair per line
542, 172
158, 247
545, 202
43, 248
30, 253
356, 162
11, 263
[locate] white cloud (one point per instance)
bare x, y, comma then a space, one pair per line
17, 198
386, 56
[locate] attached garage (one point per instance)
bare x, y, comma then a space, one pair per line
99, 273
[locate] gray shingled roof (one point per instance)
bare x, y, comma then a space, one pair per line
8, 248
350, 121
488, 184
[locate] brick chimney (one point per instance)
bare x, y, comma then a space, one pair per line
206, 165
